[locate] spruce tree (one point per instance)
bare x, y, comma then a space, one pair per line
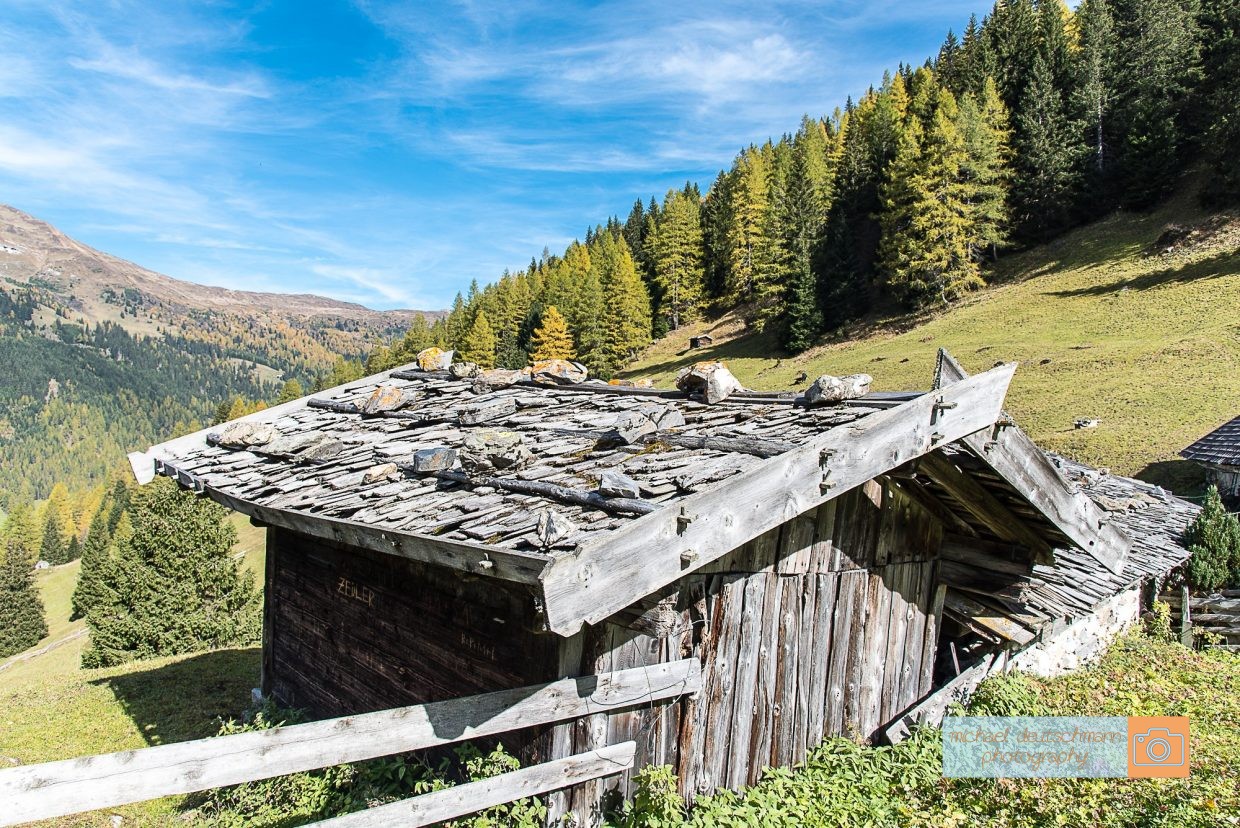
552, 340
802, 216
90, 584
1093, 97
676, 245
1155, 77
173, 585
1047, 159
1220, 92
22, 624
479, 343
1213, 539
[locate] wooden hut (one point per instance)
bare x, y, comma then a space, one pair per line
431, 537
1219, 452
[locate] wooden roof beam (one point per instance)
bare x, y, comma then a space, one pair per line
1016, 458
603, 576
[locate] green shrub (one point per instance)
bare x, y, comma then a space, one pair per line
1214, 540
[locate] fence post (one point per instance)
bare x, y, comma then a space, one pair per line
1186, 620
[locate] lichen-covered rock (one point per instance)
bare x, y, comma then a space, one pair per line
628, 383
246, 434
490, 451
712, 381
463, 370
829, 389
553, 527
614, 484
493, 378
436, 459
384, 398
559, 372
434, 359
311, 446
383, 471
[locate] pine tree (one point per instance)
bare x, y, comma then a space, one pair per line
479, 343
552, 339
1213, 539
90, 586
22, 624
926, 215
985, 168
676, 245
1047, 160
173, 585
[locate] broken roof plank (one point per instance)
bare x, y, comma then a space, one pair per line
605, 575
1016, 458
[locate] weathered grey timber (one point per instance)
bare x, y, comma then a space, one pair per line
450, 803
59, 788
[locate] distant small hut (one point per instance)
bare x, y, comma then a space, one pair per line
703, 341
1219, 452
832, 569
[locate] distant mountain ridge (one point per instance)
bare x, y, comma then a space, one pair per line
103, 356
34, 252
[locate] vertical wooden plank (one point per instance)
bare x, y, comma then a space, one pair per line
878, 619
934, 619
590, 732
267, 675
1186, 617
865, 586
561, 736
787, 709
824, 556
838, 646
820, 670
703, 596
796, 544
914, 640
809, 648
769, 624
715, 711
752, 632
897, 628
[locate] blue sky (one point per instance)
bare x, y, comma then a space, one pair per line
388, 153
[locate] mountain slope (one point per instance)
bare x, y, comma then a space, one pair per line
1103, 325
103, 356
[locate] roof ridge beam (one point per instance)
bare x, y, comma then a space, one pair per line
603, 576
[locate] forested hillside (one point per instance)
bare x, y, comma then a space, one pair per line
1034, 120
102, 356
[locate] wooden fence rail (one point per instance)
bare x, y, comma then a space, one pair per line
458, 801
1218, 614
84, 784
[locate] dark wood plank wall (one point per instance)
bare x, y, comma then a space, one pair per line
824, 626
351, 631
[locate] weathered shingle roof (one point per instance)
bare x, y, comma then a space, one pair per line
319, 452
1220, 447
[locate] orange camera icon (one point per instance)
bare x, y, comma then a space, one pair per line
1158, 747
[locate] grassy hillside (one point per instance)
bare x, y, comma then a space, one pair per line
1148, 344
52, 709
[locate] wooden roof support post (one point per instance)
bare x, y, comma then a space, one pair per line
603, 576
1015, 457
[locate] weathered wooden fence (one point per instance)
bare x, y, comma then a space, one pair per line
71, 786
1218, 614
